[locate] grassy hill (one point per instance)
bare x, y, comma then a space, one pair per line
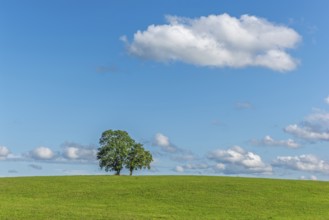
161, 197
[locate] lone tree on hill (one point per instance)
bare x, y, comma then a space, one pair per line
118, 150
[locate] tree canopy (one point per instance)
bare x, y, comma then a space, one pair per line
138, 158
118, 150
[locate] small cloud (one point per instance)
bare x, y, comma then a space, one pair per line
220, 167
218, 41
179, 169
306, 133
42, 153
4, 152
36, 167
313, 128
164, 143
269, 141
308, 163
236, 160
74, 151
243, 105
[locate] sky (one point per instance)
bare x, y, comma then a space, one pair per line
227, 88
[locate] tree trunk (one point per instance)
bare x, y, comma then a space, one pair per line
131, 172
117, 173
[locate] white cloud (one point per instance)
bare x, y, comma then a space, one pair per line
307, 133
309, 163
237, 160
42, 153
218, 41
179, 169
73, 151
326, 100
269, 141
219, 167
70, 152
319, 119
164, 143
315, 127
4, 152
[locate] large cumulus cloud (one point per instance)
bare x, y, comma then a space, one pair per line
218, 41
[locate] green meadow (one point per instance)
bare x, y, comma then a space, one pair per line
161, 197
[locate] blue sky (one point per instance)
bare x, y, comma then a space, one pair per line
209, 87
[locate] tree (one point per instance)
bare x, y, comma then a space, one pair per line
114, 147
138, 158
118, 150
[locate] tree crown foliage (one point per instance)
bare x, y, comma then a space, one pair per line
118, 150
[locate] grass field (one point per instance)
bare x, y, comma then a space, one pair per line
161, 197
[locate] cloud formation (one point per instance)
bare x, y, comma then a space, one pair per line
309, 163
4, 152
70, 152
218, 41
42, 153
74, 151
269, 141
164, 143
179, 169
236, 160
313, 128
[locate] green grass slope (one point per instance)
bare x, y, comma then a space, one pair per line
161, 197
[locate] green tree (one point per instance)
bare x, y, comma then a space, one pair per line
118, 150
113, 150
138, 158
